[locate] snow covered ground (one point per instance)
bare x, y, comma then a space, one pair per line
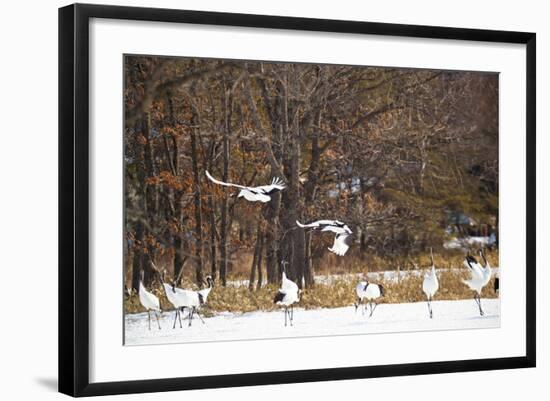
387, 318
469, 242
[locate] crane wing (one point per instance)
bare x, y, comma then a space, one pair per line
148, 299
276, 184
475, 268
360, 289
255, 196
316, 224
279, 297
225, 184
340, 245
204, 293
270, 189
305, 225
336, 230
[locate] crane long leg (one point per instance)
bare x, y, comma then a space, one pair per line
286, 311
291, 314
175, 318
149, 314
179, 317
200, 317
430, 307
481, 313
191, 313
157, 314
373, 308
477, 298
357, 304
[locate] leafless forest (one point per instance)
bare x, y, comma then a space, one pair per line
408, 158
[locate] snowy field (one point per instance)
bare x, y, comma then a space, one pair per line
387, 318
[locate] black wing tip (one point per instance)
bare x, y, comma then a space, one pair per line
279, 297
272, 191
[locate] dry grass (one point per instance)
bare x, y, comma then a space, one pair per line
340, 292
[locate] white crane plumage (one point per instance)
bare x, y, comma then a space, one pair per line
479, 277
190, 299
430, 285
287, 296
342, 231
197, 299
206, 291
178, 298
253, 194
370, 292
149, 302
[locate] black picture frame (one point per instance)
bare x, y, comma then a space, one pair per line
74, 198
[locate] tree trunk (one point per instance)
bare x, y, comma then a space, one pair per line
179, 260
138, 251
308, 269
259, 264
140, 200
224, 233
213, 250
310, 189
151, 202
294, 202
198, 208
293, 243
256, 257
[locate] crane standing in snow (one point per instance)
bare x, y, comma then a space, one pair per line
253, 194
369, 291
175, 297
190, 299
183, 298
342, 231
288, 295
149, 301
479, 277
200, 300
430, 285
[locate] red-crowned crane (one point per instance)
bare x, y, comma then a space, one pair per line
149, 301
430, 285
253, 194
288, 295
342, 231
370, 292
479, 277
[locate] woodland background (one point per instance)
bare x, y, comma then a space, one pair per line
408, 158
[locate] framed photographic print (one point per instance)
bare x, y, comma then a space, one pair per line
291, 198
